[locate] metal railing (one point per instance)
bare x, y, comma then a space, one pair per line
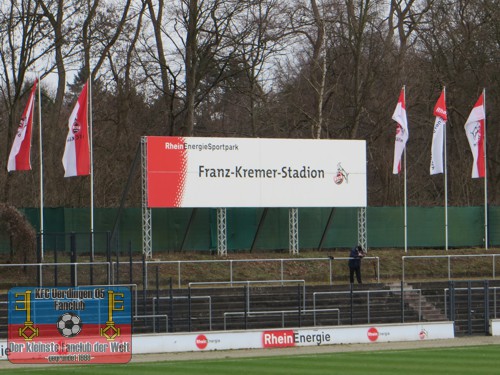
494, 288
282, 273
252, 282
154, 316
39, 268
250, 314
209, 298
231, 263
368, 293
449, 258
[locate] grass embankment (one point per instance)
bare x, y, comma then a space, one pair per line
384, 265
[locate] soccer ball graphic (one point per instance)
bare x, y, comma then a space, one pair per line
69, 324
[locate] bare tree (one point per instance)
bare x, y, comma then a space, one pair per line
461, 44
239, 105
208, 49
156, 17
21, 38
58, 13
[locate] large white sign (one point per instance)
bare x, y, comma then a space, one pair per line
255, 172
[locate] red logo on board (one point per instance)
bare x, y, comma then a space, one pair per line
201, 341
373, 334
278, 339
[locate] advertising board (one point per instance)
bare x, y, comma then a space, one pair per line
255, 172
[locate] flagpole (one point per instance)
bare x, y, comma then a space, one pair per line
41, 166
485, 178
91, 168
406, 206
445, 182
405, 188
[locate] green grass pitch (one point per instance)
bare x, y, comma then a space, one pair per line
477, 360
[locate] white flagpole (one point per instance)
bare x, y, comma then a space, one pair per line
485, 178
405, 189
406, 206
41, 165
91, 168
445, 182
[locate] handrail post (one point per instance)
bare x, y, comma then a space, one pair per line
144, 282
73, 258
403, 268
171, 293
314, 309
91, 262
189, 308
245, 296
179, 273
402, 303
368, 305
40, 273
130, 277
330, 269
469, 308
451, 289
486, 294
494, 261
157, 304
39, 259
378, 270
299, 304
231, 271
352, 301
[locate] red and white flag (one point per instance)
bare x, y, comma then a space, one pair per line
475, 131
19, 157
438, 136
401, 132
76, 158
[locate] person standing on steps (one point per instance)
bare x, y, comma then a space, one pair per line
355, 257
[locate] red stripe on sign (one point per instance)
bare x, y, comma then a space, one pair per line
167, 168
278, 339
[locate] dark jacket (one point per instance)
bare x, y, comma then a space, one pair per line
355, 256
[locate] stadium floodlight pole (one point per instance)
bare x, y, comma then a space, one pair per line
41, 163
485, 178
445, 181
91, 168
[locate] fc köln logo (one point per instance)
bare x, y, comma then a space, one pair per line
341, 175
76, 127
22, 125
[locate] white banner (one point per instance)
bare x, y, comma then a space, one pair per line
255, 172
282, 338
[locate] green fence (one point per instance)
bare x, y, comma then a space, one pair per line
185, 229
